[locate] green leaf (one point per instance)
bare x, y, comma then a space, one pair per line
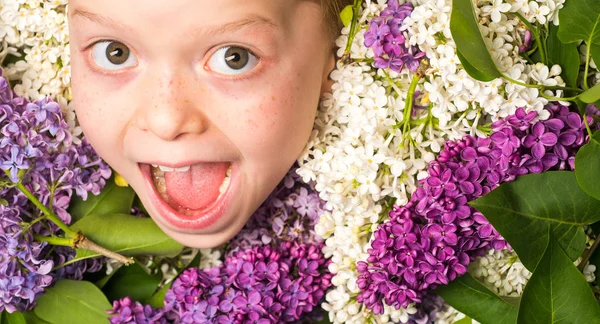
125, 234
132, 281
13, 318
580, 21
465, 320
565, 55
590, 95
595, 51
522, 210
581, 106
30, 318
3, 202
557, 292
481, 304
71, 301
473, 53
587, 167
157, 300
111, 200
346, 15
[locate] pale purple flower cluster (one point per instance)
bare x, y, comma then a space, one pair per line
431, 240
23, 274
290, 213
388, 40
127, 311
36, 149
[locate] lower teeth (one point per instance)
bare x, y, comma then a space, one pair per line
158, 176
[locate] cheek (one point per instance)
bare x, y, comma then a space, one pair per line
280, 120
97, 114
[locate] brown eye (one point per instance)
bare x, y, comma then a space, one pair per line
237, 57
117, 53
112, 55
231, 60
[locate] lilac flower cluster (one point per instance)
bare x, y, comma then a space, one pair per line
290, 213
387, 39
36, 150
427, 311
431, 240
265, 278
261, 284
127, 311
23, 275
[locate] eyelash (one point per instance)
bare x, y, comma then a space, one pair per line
243, 77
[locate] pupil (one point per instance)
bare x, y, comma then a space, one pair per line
236, 57
117, 53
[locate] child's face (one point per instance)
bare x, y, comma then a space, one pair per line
206, 83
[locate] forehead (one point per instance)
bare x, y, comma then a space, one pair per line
121, 14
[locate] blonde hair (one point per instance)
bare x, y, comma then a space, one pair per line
331, 11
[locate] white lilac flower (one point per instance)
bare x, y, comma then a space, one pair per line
361, 156
502, 272
35, 32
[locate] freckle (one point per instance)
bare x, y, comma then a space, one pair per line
186, 101
273, 98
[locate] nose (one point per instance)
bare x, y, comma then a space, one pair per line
168, 108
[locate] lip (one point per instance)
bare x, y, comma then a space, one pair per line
185, 223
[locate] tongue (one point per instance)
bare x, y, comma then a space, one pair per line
198, 187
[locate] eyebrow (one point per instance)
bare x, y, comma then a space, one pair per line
252, 21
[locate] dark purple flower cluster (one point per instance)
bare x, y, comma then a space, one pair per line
427, 311
36, 149
127, 311
388, 41
262, 284
273, 272
431, 240
290, 213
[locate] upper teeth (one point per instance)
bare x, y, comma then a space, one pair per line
168, 169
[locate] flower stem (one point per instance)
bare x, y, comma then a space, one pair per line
51, 216
55, 240
587, 127
355, 9
85, 244
588, 253
539, 86
74, 239
536, 35
551, 98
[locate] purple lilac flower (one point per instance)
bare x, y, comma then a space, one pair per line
388, 41
432, 239
127, 311
36, 148
427, 311
260, 284
527, 42
23, 274
290, 213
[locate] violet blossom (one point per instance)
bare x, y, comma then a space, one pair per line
432, 239
388, 41
36, 150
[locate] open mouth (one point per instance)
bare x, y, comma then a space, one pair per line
191, 197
